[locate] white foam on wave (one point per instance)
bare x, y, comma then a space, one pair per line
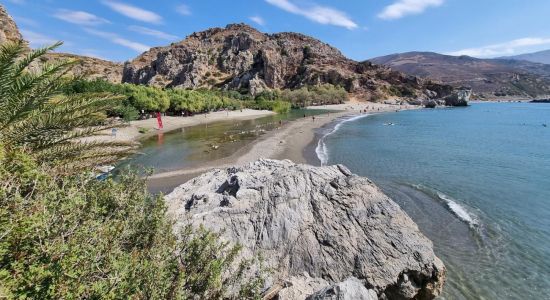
453, 205
321, 150
458, 210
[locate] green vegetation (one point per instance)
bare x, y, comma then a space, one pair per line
37, 116
281, 107
74, 237
186, 102
66, 235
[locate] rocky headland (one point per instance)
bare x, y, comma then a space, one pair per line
324, 232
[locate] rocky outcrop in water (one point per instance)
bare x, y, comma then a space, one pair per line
326, 233
460, 97
240, 57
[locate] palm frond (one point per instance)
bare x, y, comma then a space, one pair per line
37, 116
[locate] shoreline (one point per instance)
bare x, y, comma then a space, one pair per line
295, 140
131, 132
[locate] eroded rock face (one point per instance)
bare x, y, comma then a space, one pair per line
321, 221
9, 32
239, 57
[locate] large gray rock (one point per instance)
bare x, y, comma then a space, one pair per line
324, 221
351, 289
460, 97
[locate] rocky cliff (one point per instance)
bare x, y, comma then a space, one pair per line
325, 233
240, 57
9, 32
488, 78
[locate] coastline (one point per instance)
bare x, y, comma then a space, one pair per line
295, 140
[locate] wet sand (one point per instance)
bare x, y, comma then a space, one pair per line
294, 140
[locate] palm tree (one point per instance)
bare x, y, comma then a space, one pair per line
36, 116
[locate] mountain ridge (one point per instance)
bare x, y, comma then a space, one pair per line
239, 57
542, 57
489, 78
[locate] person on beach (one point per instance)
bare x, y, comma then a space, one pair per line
313, 118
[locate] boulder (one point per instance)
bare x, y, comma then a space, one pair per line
351, 289
322, 221
460, 97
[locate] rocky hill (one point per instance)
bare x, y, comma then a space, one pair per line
90, 67
9, 32
322, 231
239, 57
242, 58
489, 78
542, 57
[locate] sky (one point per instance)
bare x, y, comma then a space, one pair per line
119, 30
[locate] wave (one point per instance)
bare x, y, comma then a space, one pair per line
453, 205
321, 150
460, 211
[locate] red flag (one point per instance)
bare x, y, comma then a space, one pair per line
159, 120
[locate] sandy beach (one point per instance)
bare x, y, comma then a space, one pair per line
289, 141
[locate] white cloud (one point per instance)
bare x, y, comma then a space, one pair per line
36, 39
183, 9
79, 17
258, 20
402, 8
316, 13
507, 48
152, 32
134, 12
114, 38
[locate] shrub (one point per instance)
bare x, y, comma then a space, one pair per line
75, 237
281, 107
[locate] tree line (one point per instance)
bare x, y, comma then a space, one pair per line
143, 99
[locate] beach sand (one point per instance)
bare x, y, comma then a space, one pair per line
294, 140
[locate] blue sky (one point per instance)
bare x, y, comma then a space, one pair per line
121, 29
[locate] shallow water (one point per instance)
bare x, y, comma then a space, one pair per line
196, 145
477, 182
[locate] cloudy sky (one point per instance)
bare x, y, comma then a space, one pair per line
121, 29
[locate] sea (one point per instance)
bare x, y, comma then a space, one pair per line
476, 180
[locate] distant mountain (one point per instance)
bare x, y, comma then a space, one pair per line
489, 78
542, 57
239, 57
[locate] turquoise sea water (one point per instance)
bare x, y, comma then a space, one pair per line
477, 182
